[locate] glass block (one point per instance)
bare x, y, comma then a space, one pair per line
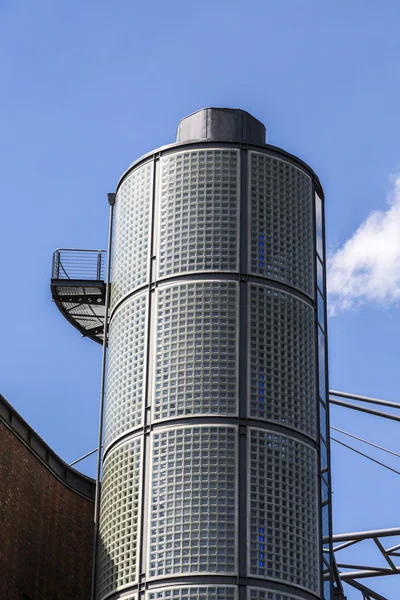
126, 368
196, 349
254, 593
321, 311
321, 365
325, 521
320, 276
193, 592
281, 359
281, 221
199, 211
324, 490
119, 518
318, 226
324, 456
282, 510
130, 257
323, 421
193, 501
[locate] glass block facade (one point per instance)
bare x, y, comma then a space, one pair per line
216, 480
281, 359
194, 592
193, 499
264, 594
131, 233
119, 523
281, 221
126, 372
199, 187
282, 500
196, 349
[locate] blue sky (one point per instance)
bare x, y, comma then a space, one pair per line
87, 87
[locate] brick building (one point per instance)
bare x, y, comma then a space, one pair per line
46, 518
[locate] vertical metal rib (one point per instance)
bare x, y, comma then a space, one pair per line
111, 200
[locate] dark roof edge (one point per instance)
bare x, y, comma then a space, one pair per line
71, 478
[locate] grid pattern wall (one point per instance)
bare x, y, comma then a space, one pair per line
196, 349
131, 232
126, 368
199, 211
281, 221
265, 594
194, 592
119, 517
193, 501
283, 515
281, 359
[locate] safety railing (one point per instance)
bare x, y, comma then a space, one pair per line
73, 263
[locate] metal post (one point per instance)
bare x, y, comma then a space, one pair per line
99, 266
83, 457
56, 264
111, 201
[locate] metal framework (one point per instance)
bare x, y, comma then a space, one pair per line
209, 276
78, 289
352, 573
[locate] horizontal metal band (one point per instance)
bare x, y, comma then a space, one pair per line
216, 276
196, 145
177, 581
210, 420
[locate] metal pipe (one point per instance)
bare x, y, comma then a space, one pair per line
366, 456
79, 250
364, 399
362, 574
370, 411
363, 567
344, 545
362, 588
365, 535
387, 558
365, 441
111, 200
82, 457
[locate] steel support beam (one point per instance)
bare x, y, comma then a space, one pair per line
364, 399
365, 535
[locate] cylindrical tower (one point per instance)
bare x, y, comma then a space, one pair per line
216, 451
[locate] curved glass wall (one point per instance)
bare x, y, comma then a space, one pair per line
216, 459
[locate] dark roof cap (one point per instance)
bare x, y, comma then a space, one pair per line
223, 125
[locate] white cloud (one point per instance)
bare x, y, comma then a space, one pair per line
367, 266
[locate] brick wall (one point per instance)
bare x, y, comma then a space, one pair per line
46, 529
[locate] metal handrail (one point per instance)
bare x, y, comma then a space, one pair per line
78, 263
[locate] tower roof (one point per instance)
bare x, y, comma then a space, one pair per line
221, 124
